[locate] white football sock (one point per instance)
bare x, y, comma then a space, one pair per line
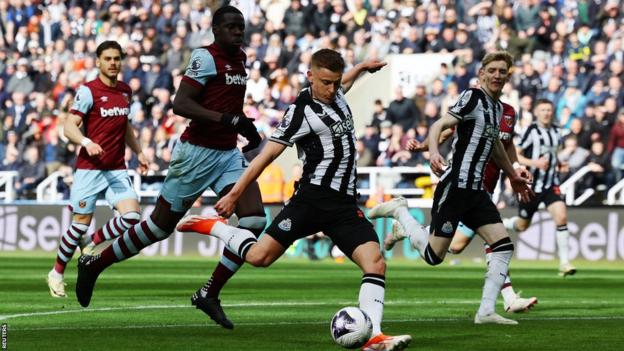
495, 276
237, 240
562, 244
371, 298
416, 233
507, 291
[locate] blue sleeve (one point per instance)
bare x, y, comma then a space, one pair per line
83, 101
202, 66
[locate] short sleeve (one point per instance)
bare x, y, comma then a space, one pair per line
83, 101
201, 68
465, 105
293, 126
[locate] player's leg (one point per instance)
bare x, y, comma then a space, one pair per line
502, 248
185, 182
87, 186
295, 221
129, 215
251, 217
121, 195
463, 236
356, 237
156, 227
558, 211
67, 245
522, 221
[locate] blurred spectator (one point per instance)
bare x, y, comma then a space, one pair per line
31, 173
379, 114
598, 161
403, 111
572, 157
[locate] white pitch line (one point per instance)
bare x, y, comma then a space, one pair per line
255, 324
277, 304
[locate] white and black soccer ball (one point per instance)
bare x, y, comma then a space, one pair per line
351, 327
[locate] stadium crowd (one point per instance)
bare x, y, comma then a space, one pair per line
570, 52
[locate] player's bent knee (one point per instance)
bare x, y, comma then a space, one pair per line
259, 258
377, 266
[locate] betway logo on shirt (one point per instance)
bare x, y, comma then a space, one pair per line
235, 79
114, 111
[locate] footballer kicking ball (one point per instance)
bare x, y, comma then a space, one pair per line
351, 327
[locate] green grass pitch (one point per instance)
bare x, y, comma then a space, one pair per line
144, 304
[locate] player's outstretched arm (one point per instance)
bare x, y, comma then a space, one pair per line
134, 145
72, 132
416, 146
226, 205
370, 66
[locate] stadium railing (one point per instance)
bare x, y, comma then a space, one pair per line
47, 189
569, 188
375, 179
7, 185
612, 194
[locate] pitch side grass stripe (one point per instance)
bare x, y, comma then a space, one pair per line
208, 324
295, 304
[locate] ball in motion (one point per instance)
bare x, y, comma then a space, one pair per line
351, 327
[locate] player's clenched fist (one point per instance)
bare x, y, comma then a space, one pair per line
93, 149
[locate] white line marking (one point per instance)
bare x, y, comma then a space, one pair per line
295, 303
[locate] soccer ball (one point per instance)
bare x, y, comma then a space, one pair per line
351, 327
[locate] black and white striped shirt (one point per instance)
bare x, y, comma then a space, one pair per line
538, 142
476, 134
325, 140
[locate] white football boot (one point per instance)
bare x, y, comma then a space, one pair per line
386, 209
56, 284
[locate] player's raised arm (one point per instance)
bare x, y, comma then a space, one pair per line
370, 66
227, 204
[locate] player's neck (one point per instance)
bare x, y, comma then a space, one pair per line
109, 82
229, 50
494, 96
544, 125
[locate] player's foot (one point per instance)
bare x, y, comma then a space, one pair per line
493, 318
88, 249
397, 234
566, 269
520, 304
56, 284
387, 209
381, 342
212, 307
199, 224
87, 276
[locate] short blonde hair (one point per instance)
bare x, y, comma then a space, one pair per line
497, 56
